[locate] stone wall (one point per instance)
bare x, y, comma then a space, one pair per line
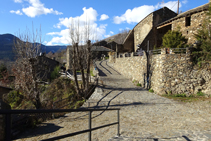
170, 73
132, 67
196, 21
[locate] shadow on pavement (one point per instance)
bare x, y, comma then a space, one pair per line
44, 128
124, 89
112, 68
101, 73
104, 67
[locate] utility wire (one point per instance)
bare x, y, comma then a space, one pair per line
174, 5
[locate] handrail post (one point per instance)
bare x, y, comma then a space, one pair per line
118, 125
53, 116
8, 127
90, 125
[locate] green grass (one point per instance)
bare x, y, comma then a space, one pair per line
184, 98
200, 93
180, 95
134, 81
91, 73
151, 90
138, 84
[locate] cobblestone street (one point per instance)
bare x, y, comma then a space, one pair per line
144, 116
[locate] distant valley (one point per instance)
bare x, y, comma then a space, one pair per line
6, 47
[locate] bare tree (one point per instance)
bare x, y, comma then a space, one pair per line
81, 54
29, 67
122, 35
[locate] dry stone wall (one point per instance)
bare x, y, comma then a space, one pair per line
170, 73
132, 67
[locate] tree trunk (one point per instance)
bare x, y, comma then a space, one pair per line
74, 70
88, 63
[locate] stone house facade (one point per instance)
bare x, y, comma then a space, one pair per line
188, 22
146, 30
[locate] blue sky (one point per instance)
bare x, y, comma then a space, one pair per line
106, 17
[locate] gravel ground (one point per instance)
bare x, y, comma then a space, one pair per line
144, 116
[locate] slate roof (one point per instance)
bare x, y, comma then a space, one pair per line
101, 48
187, 13
98, 48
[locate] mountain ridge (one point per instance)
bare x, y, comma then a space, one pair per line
7, 44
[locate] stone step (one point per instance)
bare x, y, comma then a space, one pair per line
131, 139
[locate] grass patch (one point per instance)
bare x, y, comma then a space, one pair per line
91, 73
134, 81
185, 98
200, 93
138, 84
180, 95
151, 90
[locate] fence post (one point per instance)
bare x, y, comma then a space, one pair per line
8, 127
53, 116
118, 125
90, 125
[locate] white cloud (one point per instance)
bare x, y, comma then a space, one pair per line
61, 37
104, 17
185, 1
18, 1
37, 8
120, 29
89, 17
171, 5
110, 33
18, 12
106, 36
136, 14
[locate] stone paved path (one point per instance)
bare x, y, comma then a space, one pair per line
144, 116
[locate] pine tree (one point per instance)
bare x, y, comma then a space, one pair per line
203, 37
174, 39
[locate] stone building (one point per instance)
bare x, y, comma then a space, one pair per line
146, 30
187, 22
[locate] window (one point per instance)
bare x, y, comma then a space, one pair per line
187, 21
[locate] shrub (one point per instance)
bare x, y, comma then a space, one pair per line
2, 69
174, 39
60, 88
202, 53
79, 103
55, 74
14, 98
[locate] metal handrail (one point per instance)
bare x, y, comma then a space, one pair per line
9, 112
